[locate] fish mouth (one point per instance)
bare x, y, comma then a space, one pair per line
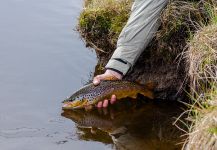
74, 105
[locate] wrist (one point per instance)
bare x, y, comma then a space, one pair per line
114, 73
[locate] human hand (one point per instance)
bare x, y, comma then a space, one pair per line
108, 75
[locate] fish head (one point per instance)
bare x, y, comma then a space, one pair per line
75, 102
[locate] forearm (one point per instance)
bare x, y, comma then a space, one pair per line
136, 35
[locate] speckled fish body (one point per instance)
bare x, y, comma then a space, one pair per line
91, 94
88, 119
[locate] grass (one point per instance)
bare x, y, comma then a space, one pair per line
202, 70
202, 113
101, 23
202, 58
213, 130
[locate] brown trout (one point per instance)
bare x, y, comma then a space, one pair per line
91, 94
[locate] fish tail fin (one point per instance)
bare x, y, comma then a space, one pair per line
150, 85
149, 89
148, 93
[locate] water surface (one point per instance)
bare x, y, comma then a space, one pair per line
131, 125
43, 60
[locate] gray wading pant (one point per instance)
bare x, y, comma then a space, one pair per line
137, 33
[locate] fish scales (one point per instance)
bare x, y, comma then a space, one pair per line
91, 94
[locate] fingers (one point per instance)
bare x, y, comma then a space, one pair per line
105, 103
97, 79
99, 105
108, 75
113, 99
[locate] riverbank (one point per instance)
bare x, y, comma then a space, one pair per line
202, 63
180, 59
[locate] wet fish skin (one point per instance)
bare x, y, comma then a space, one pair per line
91, 94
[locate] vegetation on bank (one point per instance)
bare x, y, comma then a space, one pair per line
101, 23
202, 63
189, 29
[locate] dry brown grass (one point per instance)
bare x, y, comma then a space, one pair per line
179, 21
202, 58
202, 70
204, 135
179, 14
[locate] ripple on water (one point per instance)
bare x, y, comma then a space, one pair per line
21, 132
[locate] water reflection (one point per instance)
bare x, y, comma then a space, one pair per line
130, 125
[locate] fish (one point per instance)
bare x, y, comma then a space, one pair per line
85, 119
91, 94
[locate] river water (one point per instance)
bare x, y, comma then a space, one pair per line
42, 60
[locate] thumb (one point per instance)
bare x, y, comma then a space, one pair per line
97, 79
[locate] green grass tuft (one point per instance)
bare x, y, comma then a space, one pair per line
102, 21
213, 130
